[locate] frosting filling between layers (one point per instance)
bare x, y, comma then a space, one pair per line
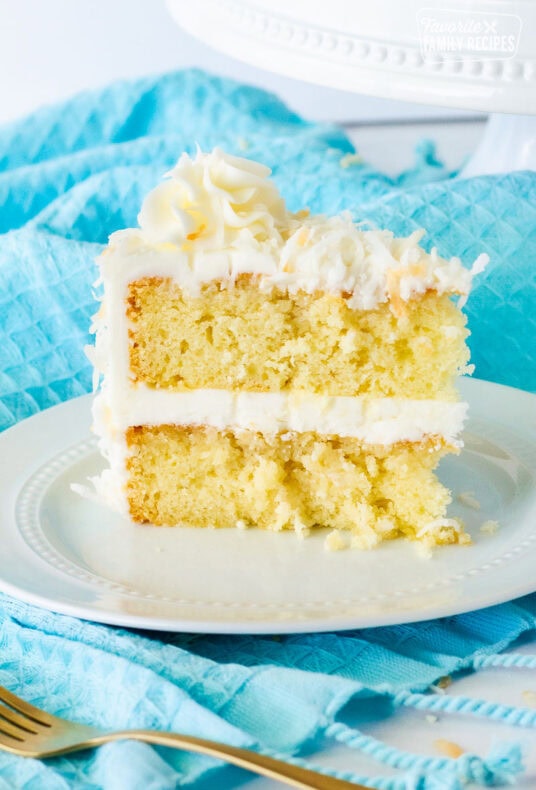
382, 421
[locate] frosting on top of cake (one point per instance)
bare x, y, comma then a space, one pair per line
217, 216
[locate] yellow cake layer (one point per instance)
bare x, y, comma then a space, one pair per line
243, 339
202, 477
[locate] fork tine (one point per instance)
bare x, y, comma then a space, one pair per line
13, 732
35, 714
28, 725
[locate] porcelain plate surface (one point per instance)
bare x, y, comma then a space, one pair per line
71, 555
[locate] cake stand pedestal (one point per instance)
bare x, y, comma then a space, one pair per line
478, 55
508, 143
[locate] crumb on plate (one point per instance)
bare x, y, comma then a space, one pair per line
489, 527
468, 499
335, 541
529, 698
449, 748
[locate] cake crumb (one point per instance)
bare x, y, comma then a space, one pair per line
241, 524
451, 332
243, 143
448, 748
529, 698
423, 344
302, 531
431, 719
489, 527
442, 684
424, 549
348, 341
335, 541
364, 540
468, 499
348, 160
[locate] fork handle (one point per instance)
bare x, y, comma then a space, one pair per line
292, 775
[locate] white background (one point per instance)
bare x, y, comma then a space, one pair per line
51, 49
54, 48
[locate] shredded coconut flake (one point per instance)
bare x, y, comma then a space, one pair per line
85, 491
349, 160
437, 525
468, 499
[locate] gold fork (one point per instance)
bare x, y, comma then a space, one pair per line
30, 732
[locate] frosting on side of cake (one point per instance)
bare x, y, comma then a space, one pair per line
218, 216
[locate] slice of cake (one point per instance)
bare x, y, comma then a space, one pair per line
276, 370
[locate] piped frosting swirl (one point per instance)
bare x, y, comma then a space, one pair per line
215, 200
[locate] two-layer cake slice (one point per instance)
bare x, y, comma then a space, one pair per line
277, 370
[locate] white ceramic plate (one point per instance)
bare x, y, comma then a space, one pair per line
71, 555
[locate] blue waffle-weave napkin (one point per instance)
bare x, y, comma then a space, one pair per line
69, 176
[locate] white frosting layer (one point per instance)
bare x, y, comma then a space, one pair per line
371, 420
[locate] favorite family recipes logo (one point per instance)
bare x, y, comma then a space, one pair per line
459, 34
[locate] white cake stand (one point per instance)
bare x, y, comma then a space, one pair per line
478, 55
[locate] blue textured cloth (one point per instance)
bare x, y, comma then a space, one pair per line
69, 176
